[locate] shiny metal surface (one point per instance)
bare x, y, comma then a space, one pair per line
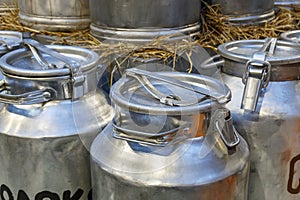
22, 63
142, 20
9, 40
284, 61
45, 146
124, 170
292, 36
244, 12
287, 3
273, 137
272, 130
186, 165
55, 15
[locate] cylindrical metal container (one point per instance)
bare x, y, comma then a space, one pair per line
245, 12
287, 3
171, 138
51, 112
263, 76
7, 6
292, 36
143, 20
55, 15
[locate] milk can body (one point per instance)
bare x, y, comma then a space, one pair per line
287, 3
55, 15
129, 161
245, 12
266, 111
45, 132
6, 6
142, 20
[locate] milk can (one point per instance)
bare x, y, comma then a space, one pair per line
287, 3
7, 6
292, 36
247, 12
171, 138
263, 76
51, 112
143, 20
53, 15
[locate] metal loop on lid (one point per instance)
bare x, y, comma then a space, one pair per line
77, 77
170, 99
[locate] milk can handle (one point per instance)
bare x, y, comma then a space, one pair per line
158, 139
211, 62
223, 123
37, 96
76, 74
170, 99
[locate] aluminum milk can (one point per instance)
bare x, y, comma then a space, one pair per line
55, 15
263, 76
144, 20
51, 112
7, 6
171, 138
287, 3
245, 12
292, 36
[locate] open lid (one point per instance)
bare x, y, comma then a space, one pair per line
282, 56
168, 93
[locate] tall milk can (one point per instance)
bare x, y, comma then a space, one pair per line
171, 138
287, 3
244, 12
51, 112
263, 76
144, 20
6, 6
55, 15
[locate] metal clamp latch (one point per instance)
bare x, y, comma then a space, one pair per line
77, 77
170, 99
257, 75
161, 139
224, 126
37, 96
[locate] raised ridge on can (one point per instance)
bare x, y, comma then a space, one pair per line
143, 20
247, 12
53, 15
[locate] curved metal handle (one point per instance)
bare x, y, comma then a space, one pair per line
37, 96
225, 128
170, 99
77, 77
159, 139
214, 61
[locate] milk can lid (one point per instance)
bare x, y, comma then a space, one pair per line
283, 57
292, 36
38, 61
9, 40
242, 50
173, 93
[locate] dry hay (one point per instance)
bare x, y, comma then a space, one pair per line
217, 30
